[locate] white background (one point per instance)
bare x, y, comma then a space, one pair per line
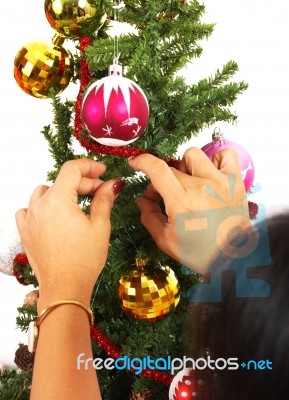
254, 33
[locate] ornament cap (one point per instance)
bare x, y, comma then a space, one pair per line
140, 262
218, 137
58, 40
115, 69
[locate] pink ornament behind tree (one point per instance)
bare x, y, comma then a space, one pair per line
220, 143
115, 111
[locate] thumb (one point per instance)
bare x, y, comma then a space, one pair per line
103, 200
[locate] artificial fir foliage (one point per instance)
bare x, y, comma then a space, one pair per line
15, 385
168, 36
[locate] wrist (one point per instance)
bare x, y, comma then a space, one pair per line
64, 313
61, 303
47, 297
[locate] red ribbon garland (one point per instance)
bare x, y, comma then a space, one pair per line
114, 352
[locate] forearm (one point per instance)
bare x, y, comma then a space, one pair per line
63, 335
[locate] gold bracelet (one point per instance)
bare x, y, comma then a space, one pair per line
33, 330
55, 304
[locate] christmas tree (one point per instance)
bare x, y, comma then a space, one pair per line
164, 37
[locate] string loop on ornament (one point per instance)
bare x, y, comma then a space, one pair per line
116, 9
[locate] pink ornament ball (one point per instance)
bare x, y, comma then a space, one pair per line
115, 111
246, 162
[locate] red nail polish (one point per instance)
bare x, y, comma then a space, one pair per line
117, 187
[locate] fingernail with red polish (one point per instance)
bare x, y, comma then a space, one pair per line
117, 187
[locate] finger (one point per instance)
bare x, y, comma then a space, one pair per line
151, 193
71, 174
103, 200
227, 161
89, 186
186, 180
196, 163
160, 174
38, 192
152, 217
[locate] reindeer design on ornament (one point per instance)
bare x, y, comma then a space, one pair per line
130, 121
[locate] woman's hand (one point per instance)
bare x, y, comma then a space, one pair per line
199, 185
66, 248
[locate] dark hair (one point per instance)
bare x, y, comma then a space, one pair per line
248, 328
81, 11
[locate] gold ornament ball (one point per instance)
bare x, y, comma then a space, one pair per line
149, 293
40, 67
74, 18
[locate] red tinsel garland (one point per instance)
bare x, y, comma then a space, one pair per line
114, 352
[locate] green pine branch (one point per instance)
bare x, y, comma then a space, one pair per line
61, 135
27, 313
15, 385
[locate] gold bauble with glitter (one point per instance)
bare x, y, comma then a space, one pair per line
43, 70
149, 292
74, 18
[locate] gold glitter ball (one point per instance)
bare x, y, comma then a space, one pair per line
73, 18
40, 68
149, 293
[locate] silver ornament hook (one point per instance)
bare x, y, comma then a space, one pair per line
218, 137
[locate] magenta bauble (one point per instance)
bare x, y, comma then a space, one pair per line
115, 111
246, 162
